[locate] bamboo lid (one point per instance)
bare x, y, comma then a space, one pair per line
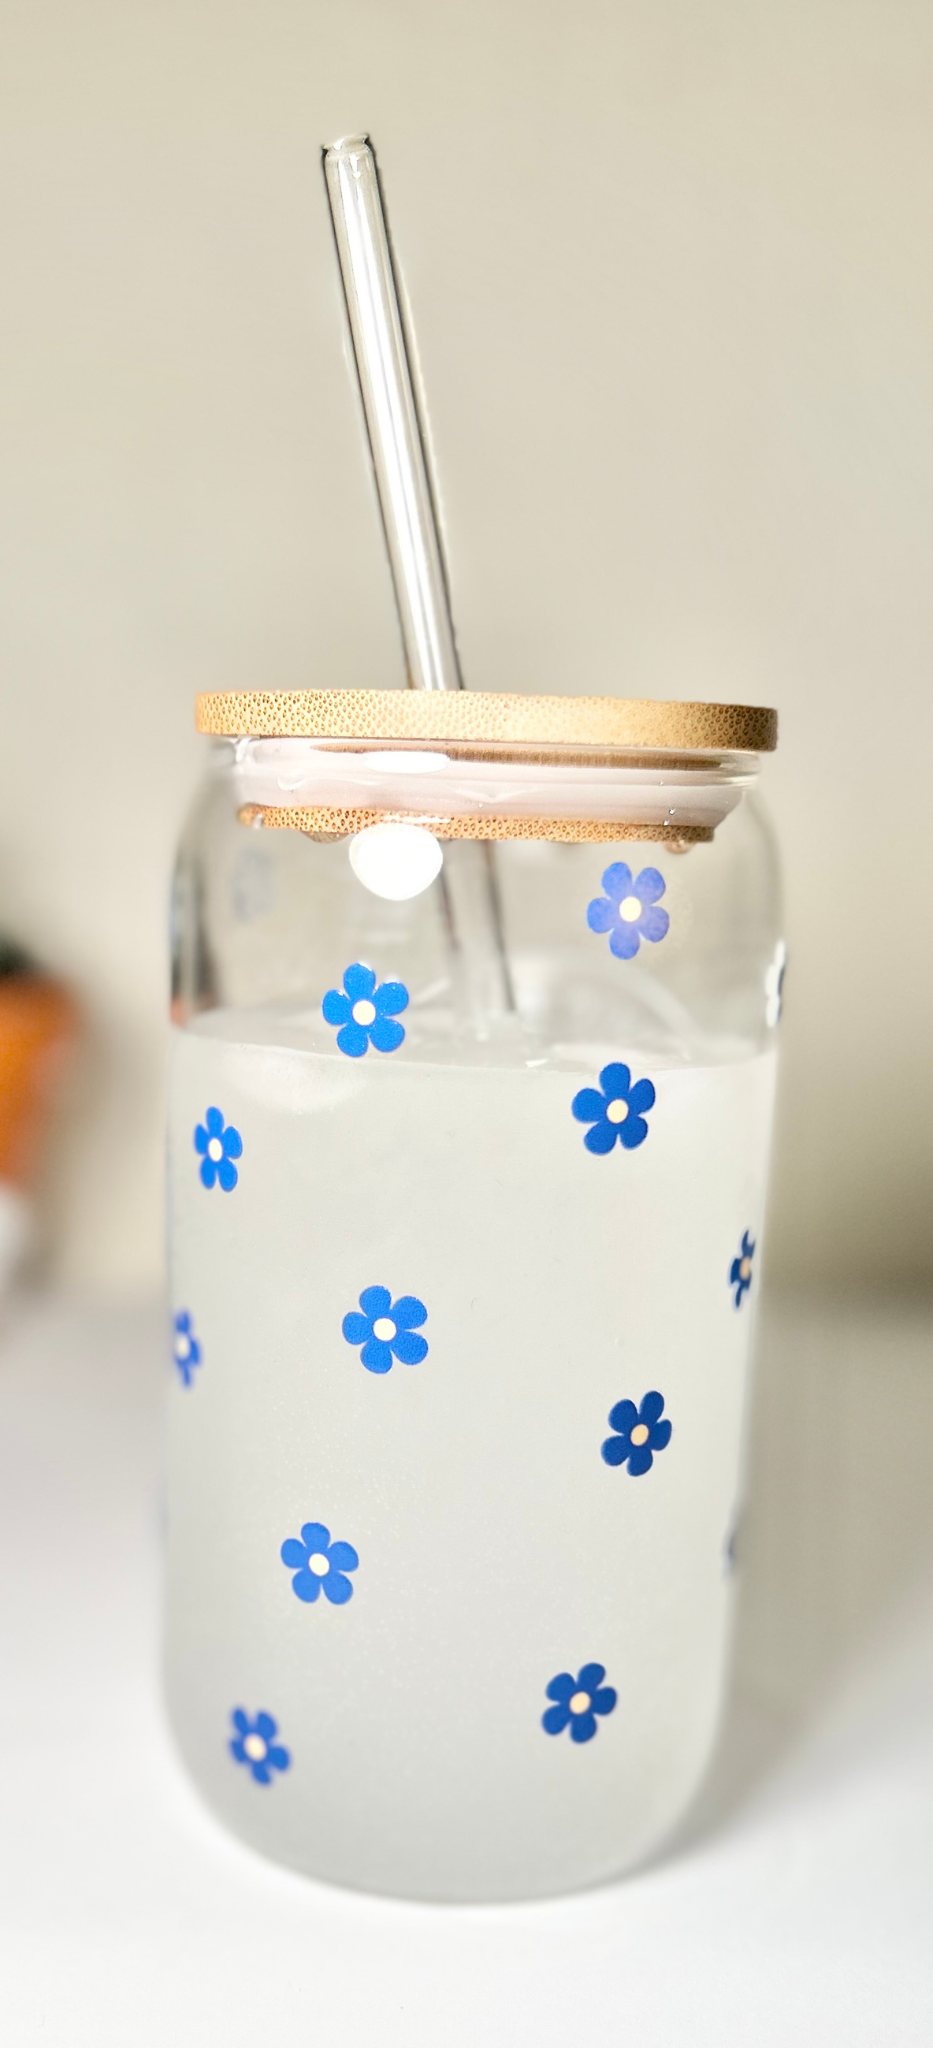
484, 719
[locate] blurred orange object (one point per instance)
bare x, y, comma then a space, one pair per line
38, 1023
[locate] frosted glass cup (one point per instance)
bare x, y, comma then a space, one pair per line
474, 1029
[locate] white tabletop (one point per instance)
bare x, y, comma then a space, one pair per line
796, 1909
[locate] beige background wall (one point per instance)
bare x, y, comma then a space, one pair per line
669, 263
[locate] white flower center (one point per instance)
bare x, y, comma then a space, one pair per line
319, 1564
255, 1748
215, 1149
639, 1434
364, 1012
745, 1269
384, 1329
630, 908
182, 1347
580, 1702
617, 1112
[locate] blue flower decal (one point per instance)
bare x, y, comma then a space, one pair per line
186, 1350
578, 1700
254, 1745
386, 1329
630, 910
640, 1433
317, 1562
740, 1271
619, 1112
219, 1145
366, 1014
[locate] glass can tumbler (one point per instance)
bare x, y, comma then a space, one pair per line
474, 1005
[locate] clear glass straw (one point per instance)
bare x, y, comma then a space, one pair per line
391, 415
408, 515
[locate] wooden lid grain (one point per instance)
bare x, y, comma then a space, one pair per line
484, 719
